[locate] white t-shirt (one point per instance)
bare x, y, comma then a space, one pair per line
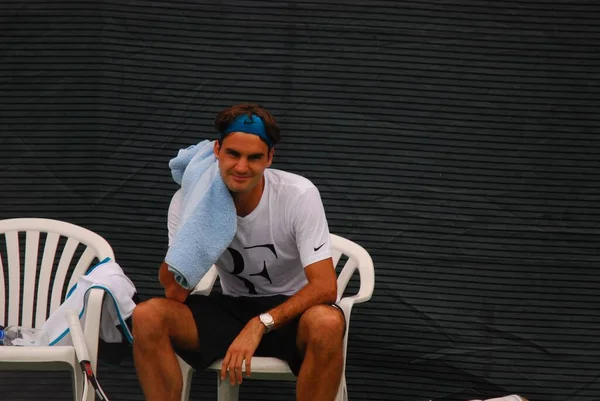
287, 232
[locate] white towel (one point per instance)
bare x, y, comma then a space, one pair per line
209, 219
512, 397
117, 306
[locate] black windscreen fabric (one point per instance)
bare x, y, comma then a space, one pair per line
456, 141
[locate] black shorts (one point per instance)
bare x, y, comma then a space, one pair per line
220, 318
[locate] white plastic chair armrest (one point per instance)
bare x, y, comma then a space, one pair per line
91, 329
367, 285
346, 305
206, 284
363, 295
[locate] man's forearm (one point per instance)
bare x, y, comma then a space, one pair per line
297, 304
172, 289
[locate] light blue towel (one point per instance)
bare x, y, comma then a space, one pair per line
208, 220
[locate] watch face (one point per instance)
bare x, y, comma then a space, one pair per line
266, 318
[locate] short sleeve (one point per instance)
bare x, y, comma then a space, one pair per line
310, 228
174, 215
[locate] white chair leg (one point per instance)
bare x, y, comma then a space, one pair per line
225, 391
187, 374
187, 385
342, 394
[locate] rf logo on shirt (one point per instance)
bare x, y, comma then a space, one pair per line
239, 265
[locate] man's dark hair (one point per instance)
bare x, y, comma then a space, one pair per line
226, 116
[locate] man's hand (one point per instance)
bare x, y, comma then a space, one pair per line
176, 293
242, 349
172, 289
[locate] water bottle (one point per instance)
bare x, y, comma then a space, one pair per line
21, 336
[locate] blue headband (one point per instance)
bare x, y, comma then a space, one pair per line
250, 125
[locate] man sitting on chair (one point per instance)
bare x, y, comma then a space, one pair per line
277, 277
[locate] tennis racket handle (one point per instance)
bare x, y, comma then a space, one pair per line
77, 335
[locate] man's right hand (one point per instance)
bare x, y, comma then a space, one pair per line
172, 289
177, 293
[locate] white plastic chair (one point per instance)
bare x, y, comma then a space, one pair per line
276, 369
47, 281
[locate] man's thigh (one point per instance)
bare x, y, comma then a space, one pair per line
286, 343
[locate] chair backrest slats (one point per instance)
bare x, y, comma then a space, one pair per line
43, 288
82, 265
14, 277
61, 273
32, 242
45, 276
2, 287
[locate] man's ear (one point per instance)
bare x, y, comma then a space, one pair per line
216, 149
270, 157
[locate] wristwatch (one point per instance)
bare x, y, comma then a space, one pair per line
267, 320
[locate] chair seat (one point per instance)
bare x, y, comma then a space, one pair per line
12, 356
262, 366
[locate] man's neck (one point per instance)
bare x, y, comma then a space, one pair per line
246, 202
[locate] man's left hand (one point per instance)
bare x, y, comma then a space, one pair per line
242, 349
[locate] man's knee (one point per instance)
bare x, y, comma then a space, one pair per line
148, 319
323, 326
161, 319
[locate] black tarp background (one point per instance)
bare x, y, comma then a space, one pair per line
457, 141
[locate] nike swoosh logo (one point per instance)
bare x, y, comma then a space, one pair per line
319, 247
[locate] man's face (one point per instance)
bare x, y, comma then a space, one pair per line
242, 160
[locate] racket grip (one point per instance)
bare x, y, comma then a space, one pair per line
77, 335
